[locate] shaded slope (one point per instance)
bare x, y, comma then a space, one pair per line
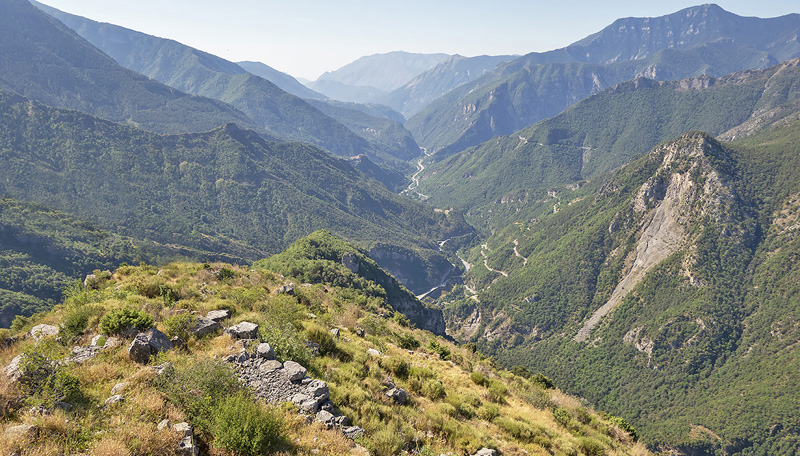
226, 190
42, 59
284, 81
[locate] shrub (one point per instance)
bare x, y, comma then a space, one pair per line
488, 412
245, 426
545, 382
591, 447
562, 416
622, 424
396, 366
180, 325
471, 347
286, 341
436, 347
497, 392
387, 441
120, 319
74, 324
401, 319
520, 429
433, 389
316, 334
407, 342
226, 273
478, 378
45, 380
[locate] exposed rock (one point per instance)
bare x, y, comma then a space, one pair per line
350, 261
237, 357
353, 432
270, 365
285, 289
313, 347
218, 315
294, 371
61, 405
265, 351
120, 387
486, 452
359, 332
115, 399
146, 344
39, 410
164, 424
204, 326
188, 447
244, 330
178, 343
40, 331
335, 333
14, 369
325, 417
28, 432
398, 395
164, 369
184, 429
83, 353
373, 352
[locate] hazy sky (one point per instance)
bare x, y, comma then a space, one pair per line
307, 37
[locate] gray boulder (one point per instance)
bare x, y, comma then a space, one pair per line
270, 365
40, 331
486, 452
164, 424
285, 289
115, 399
265, 351
205, 326
398, 395
28, 432
244, 330
218, 315
359, 332
295, 372
147, 344
335, 333
353, 432
325, 417
318, 389
14, 369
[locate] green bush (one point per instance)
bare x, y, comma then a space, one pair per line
478, 378
591, 447
286, 342
396, 366
433, 389
436, 347
316, 334
497, 392
245, 426
387, 441
622, 424
407, 342
120, 319
545, 382
520, 429
45, 380
401, 319
180, 325
562, 416
488, 412
74, 324
226, 273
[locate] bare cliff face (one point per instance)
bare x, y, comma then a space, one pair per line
687, 187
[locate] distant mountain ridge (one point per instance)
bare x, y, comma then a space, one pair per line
194, 71
280, 79
42, 59
694, 41
384, 72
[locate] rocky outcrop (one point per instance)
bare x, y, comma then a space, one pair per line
39, 332
244, 330
146, 344
204, 326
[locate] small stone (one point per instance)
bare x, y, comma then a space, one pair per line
119, 387
269, 366
219, 315
184, 429
28, 432
61, 405
39, 410
286, 289
353, 432
294, 371
205, 326
96, 340
90, 281
313, 347
318, 389
359, 332
335, 333
341, 421
40, 331
325, 417
188, 447
14, 369
115, 399
244, 330
265, 351
164, 424
398, 395
373, 352
486, 452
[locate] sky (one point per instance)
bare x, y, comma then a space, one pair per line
308, 37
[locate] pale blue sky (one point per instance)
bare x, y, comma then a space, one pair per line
307, 37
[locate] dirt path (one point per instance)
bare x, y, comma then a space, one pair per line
524, 260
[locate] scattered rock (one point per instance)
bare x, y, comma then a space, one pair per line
188, 447
14, 369
486, 452
218, 315
28, 432
83, 353
178, 343
373, 352
294, 372
96, 340
244, 330
184, 429
313, 347
61, 405
318, 389
335, 333
359, 332
120, 387
163, 369
40, 331
325, 418
115, 399
270, 365
265, 351
398, 395
285, 289
237, 357
353, 432
146, 344
39, 410
205, 326
164, 424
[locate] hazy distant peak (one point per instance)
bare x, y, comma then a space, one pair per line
384, 71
